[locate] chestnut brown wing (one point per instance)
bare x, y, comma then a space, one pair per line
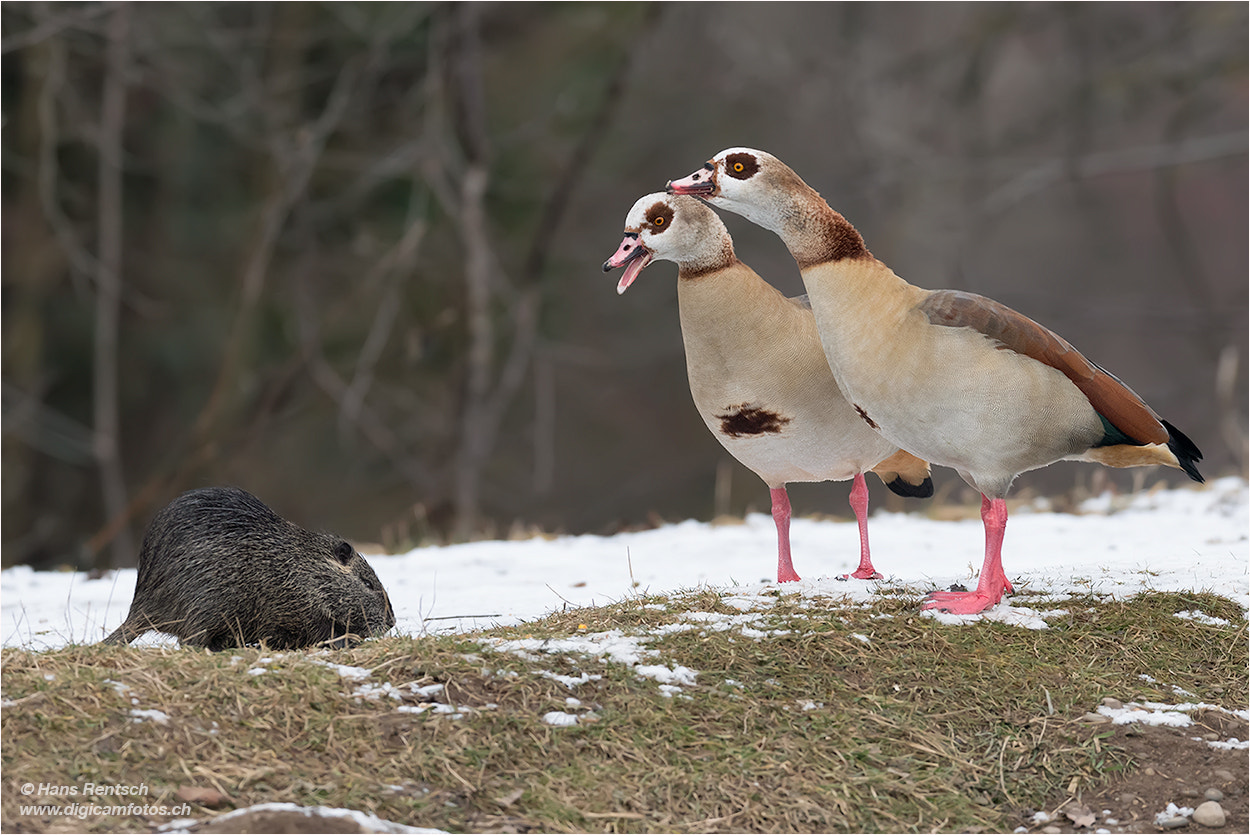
1118, 405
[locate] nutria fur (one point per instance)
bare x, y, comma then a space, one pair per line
218, 569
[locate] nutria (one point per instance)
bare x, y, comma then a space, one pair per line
218, 569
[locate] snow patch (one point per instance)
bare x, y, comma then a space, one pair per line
1186, 539
570, 681
1200, 617
613, 646
1002, 613
677, 674
157, 716
1130, 714
365, 821
1173, 811
1231, 744
1175, 716
433, 707
560, 719
344, 671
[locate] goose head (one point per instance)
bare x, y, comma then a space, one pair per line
669, 227
747, 182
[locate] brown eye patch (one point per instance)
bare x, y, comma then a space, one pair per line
660, 216
741, 166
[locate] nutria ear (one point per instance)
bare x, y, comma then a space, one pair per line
344, 552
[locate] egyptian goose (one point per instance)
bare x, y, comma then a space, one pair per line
757, 373
955, 378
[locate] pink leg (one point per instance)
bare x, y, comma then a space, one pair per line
859, 504
781, 515
993, 582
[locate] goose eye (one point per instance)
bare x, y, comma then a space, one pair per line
659, 221
741, 166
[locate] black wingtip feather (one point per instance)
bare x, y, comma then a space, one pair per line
923, 490
1185, 450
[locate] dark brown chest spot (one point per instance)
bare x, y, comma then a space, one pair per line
746, 419
864, 415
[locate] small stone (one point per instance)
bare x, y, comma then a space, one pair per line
1127, 797
1210, 737
1222, 774
1209, 814
1114, 704
1213, 794
1150, 772
1174, 823
209, 798
1081, 816
1188, 792
1052, 830
1095, 719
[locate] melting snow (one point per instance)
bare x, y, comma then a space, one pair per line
560, 719
1200, 617
1187, 539
1176, 716
157, 716
364, 821
1173, 811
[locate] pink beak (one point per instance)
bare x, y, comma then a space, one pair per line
631, 255
701, 183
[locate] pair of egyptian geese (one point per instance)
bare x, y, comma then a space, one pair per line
868, 372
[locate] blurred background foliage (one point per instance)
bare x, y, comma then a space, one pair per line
347, 255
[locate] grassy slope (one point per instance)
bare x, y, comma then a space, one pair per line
922, 727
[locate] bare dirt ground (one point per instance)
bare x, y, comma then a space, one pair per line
1169, 766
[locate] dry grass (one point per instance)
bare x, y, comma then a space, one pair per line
919, 727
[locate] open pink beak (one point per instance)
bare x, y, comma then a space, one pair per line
701, 183
631, 255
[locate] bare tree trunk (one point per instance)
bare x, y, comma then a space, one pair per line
475, 444
468, 108
544, 425
109, 285
488, 395
1232, 418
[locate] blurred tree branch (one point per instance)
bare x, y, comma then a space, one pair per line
82, 262
393, 267
372, 427
1099, 163
50, 28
